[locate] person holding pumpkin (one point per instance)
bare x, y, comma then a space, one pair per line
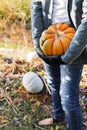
63, 68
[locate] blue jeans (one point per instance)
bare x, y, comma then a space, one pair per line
64, 82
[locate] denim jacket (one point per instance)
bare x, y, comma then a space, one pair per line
41, 15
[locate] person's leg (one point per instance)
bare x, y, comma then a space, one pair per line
70, 79
53, 79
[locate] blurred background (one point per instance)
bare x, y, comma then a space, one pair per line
19, 109
15, 23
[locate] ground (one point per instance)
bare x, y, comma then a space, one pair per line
19, 109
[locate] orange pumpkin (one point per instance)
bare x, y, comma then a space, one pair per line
56, 39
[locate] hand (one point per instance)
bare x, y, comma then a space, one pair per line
54, 60
38, 50
51, 60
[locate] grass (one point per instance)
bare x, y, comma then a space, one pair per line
10, 45
15, 9
19, 109
27, 118
15, 46
24, 113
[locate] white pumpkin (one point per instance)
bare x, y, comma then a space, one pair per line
32, 82
32, 56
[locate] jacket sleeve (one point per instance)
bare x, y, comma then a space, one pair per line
79, 41
36, 19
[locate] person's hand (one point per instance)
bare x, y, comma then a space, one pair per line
54, 60
51, 60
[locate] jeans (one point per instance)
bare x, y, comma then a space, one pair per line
64, 83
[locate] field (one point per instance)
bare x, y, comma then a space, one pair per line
19, 109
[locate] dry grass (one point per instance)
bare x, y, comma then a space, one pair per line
15, 10
19, 109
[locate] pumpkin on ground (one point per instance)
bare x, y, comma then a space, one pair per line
56, 39
32, 82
